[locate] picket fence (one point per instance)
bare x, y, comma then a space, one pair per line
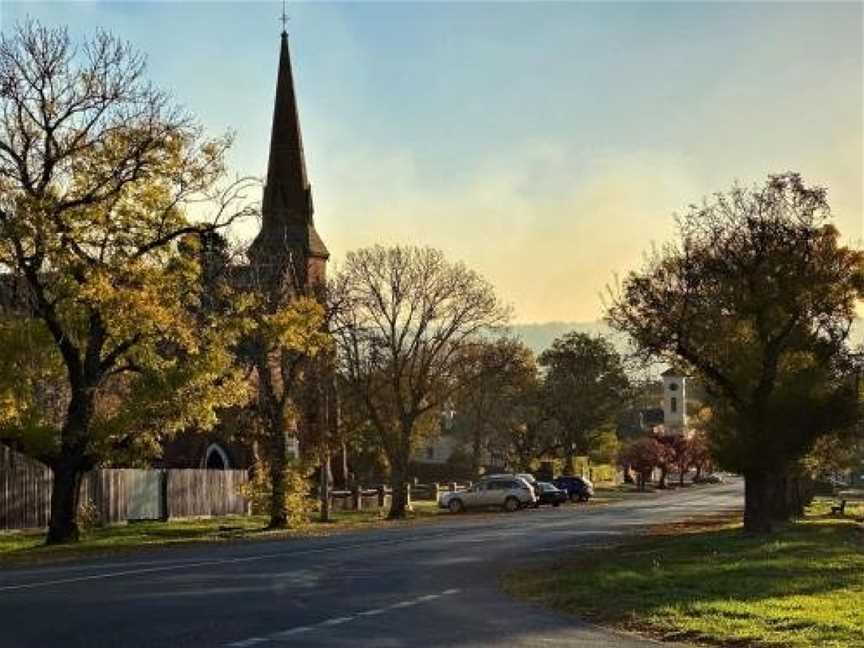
116, 495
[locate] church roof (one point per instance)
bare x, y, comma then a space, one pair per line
287, 207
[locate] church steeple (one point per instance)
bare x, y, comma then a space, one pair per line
287, 209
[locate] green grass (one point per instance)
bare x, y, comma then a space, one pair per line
800, 587
29, 547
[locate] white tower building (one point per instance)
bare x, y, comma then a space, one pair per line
674, 401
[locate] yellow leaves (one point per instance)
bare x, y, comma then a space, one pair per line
297, 327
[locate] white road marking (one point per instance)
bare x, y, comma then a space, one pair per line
292, 631
248, 642
287, 635
402, 604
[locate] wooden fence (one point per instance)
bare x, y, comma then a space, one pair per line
365, 499
195, 492
116, 495
25, 487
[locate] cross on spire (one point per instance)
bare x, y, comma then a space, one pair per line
284, 19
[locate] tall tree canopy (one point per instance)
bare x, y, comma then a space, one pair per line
756, 297
487, 405
585, 388
96, 169
403, 318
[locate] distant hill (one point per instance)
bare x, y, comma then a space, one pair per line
540, 336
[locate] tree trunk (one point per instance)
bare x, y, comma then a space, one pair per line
325, 489
758, 502
69, 468
569, 463
65, 493
398, 501
792, 494
399, 470
476, 448
343, 465
278, 461
662, 482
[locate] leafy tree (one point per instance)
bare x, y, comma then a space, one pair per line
96, 167
700, 455
585, 388
756, 298
404, 318
286, 346
529, 433
641, 456
497, 374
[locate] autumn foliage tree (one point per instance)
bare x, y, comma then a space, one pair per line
641, 456
756, 298
96, 169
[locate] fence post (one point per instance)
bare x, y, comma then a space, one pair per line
357, 497
382, 493
163, 494
452, 487
436, 491
408, 506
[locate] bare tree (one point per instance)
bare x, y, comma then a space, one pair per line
403, 317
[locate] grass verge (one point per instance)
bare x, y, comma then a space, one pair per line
29, 547
704, 581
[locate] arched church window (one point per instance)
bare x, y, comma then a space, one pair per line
216, 458
673, 405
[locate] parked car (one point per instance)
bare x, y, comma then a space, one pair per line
528, 477
713, 478
550, 494
578, 489
509, 493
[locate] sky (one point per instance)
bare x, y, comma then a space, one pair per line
546, 145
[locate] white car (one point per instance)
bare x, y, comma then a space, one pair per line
508, 493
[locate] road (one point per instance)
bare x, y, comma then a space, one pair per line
433, 585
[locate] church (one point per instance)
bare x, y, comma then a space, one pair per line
287, 248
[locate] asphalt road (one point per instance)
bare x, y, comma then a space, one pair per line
432, 585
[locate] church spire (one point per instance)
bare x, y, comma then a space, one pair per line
287, 205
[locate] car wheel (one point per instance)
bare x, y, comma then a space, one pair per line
456, 506
511, 505
583, 498
575, 497
557, 504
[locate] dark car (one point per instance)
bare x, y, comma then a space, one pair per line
578, 489
550, 494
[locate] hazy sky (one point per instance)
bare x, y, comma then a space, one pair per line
545, 144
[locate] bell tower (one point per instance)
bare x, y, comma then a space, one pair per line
674, 401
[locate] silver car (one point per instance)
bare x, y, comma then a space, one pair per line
508, 493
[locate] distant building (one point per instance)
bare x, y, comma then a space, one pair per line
674, 401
